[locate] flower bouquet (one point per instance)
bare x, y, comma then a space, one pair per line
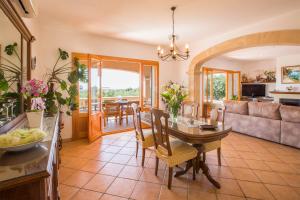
35, 91
173, 95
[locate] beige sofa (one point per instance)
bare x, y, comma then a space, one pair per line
270, 121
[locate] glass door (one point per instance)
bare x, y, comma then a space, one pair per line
149, 95
94, 99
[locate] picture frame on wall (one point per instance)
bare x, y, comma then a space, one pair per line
290, 74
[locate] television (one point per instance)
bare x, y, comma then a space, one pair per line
254, 90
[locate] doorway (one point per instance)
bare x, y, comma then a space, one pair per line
114, 83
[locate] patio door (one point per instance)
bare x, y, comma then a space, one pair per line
94, 99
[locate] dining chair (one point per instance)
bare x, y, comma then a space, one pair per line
189, 109
172, 152
216, 144
143, 137
126, 111
111, 110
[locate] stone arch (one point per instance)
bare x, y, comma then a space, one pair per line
281, 37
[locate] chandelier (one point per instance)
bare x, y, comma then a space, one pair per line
174, 52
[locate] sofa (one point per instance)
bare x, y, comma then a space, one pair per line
269, 121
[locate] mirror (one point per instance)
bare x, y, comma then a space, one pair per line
13, 68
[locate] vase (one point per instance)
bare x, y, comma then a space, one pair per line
173, 114
35, 119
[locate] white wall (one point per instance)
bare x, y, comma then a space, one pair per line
223, 63
286, 61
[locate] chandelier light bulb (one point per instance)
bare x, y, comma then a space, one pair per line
161, 51
186, 46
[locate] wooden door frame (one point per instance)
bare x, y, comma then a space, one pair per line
88, 57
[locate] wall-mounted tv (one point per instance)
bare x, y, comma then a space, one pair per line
254, 90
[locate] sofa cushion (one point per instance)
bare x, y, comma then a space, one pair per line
238, 107
290, 113
264, 109
290, 134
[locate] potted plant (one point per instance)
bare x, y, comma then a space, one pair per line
35, 90
173, 95
62, 82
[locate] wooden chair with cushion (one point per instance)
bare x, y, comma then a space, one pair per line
172, 152
216, 144
143, 137
190, 109
111, 110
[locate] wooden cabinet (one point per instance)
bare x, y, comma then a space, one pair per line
33, 174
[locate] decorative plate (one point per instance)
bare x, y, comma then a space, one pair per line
22, 147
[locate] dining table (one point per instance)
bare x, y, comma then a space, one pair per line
189, 130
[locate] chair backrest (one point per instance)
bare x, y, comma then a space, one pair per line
137, 124
159, 121
190, 109
112, 107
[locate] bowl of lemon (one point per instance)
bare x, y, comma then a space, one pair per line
21, 139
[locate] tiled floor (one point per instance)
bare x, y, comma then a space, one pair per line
108, 170
113, 125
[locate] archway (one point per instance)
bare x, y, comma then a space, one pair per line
282, 37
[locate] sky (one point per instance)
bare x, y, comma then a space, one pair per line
116, 79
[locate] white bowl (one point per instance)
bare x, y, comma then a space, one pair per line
22, 147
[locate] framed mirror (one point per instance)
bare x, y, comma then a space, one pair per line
15, 56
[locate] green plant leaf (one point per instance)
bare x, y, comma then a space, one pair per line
9, 49
63, 54
63, 85
72, 77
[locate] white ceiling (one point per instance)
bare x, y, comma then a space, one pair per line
149, 21
262, 53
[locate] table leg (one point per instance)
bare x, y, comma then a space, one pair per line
188, 166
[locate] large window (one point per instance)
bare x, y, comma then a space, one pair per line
120, 83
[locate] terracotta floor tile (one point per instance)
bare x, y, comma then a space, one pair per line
93, 166
268, 157
201, 184
213, 160
136, 161
230, 153
229, 197
279, 167
181, 181
131, 172
270, 177
111, 197
65, 173
236, 162
220, 171
230, 187
257, 164
291, 179
255, 190
151, 164
67, 192
105, 156
90, 154
120, 159
99, 183
148, 175
127, 151
121, 187
120, 143
283, 192
244, 174
112, 149
111, 169
78, 179
173, 194
196, 195
146, 191
86, 194
75, 163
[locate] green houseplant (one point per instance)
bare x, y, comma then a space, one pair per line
173, 95
62, 82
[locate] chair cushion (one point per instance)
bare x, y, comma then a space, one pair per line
149, 141
290, 113
181, 152
264, 109
238, 107
212, 146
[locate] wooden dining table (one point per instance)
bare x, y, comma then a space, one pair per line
189, 131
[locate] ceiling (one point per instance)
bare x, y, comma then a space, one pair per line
262, 53
149, 21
